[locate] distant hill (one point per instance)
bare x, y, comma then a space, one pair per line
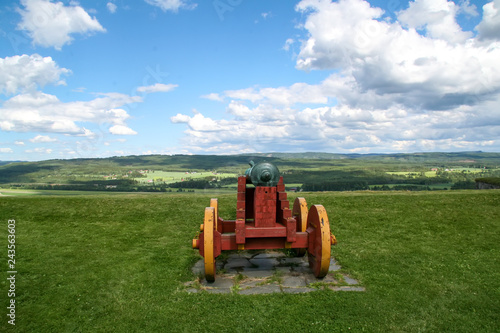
297, 168
8, 162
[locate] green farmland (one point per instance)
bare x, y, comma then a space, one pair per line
118, 263
305, 171
168, 177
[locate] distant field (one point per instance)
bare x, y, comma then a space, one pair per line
411, 173
312, 171
15, 193
173, 177
117, 263
434, 173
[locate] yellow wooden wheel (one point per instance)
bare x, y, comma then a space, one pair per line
215, 204
208, 244
299, 212
319, 250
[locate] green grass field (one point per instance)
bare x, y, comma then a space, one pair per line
117, 263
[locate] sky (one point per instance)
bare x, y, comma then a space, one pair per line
89, 78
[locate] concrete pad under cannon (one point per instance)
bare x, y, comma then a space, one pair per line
199, 268
220, 282
268, 263
297, 290
334, 266
294, 262
295, 276
293, 282
268, 255
237, 263
350, 281
257, 273
265, 289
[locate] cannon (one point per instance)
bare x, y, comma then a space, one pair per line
264, 220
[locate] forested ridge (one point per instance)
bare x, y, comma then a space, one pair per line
301, 171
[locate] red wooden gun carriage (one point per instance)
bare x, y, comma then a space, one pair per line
264, 220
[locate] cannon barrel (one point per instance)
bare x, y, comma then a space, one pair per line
262, 174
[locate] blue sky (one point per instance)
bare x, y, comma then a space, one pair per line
99, 79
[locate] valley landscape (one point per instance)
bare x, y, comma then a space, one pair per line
301, 171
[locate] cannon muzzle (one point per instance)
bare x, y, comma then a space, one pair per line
263, 174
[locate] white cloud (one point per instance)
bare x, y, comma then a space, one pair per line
198, 122
468, 9
111, 7
158, 87
265, 15
213, 97
289, 42
39, 151
42, 138
489, 28
51, 24
29, 72
437, 17
19, 143
121, 130
383, 64
6, 150
338, 128
87, 133
171, 5
249, 94
419, 83
240, 110
40, 112
180, 118
296, 93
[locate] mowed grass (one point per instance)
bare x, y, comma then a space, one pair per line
102, 263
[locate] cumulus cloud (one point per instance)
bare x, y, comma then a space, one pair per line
198, 122
466, 8
417, 83
296, 93
383, 63
29, 72
489, 28
111, 7
338, 128
180, 118
213, 97
39, 151
288, 43
121, 130
437, 17
40, 112
51, 24
171, 5
158, 87
6, 150
42, 138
